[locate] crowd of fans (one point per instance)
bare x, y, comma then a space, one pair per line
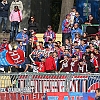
77, 52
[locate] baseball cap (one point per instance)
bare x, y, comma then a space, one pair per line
49, 26
25, 29
4, 39
33, 32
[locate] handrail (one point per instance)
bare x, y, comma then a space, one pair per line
84, 25
32, 73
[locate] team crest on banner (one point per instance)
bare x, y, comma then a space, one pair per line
11, 57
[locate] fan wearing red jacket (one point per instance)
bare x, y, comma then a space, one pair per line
50, 65
40, 65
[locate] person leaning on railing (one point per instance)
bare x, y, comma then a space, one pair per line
91, 29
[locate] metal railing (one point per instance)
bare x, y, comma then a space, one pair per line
43, 82
85, 25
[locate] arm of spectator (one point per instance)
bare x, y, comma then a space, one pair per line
27, 66
31, 58
21, 15
60, 70
1, 7
6, 7
10, 17
54, 65
63, 26
87, 23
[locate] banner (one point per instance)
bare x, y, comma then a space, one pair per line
11, 57
59, 83
70, 96
21, 96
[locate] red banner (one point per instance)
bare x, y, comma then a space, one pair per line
15, 56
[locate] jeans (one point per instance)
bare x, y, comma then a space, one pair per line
5, 22
14, 29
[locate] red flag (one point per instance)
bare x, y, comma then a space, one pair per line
15, 56
90, 98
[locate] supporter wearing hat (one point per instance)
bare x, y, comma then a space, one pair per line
22, 36
25, 29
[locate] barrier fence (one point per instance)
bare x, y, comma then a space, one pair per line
33, 85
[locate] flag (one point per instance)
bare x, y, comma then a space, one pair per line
90, 98
8, 58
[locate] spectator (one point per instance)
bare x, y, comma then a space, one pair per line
88, 51
72, 13
29, 49
97, 55
5, 45
97, 94
22, 36
40, 65
16, 3
78, 52
49, 34
50, 45
78, 20
15, 18
57, 60
50, 65
91, 47
85, 37
41, 45
4, 8
34, 39
68, 45
77, 38
97, 40
65, 64
91, 29
20, 46
75, 30
32, 25
89, 64
66, 28
59, 43
83, 46
95, 62
82, 67
73, 64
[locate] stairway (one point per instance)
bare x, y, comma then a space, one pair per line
4, 35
